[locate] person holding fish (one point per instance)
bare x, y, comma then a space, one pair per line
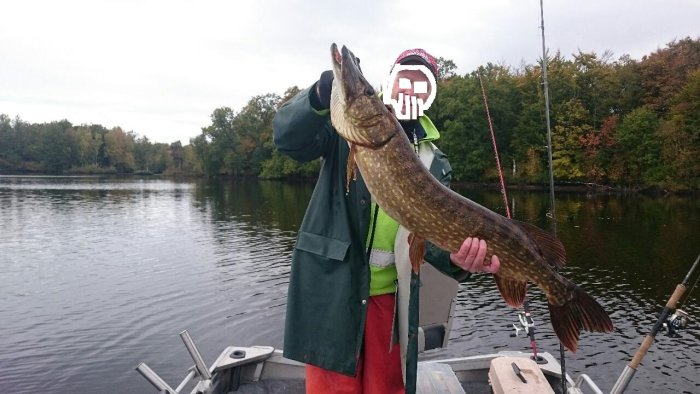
351, 262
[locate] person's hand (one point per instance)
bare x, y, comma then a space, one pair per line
470, 257
323, 89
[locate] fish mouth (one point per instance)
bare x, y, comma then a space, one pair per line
358, 114
336, 57
347, 71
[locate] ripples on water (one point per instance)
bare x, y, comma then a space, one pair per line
100, 274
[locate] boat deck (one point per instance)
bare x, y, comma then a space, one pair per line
276, 374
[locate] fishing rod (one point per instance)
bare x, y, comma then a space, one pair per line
553, 210
663, 320
495, 149
526, 322
545, 85
524, 317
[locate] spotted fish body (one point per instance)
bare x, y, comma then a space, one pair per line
406, 191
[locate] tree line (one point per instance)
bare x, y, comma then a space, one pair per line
62, 148
618, 122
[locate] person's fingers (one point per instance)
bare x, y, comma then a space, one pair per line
481, 253
472, 251
471, 257
494, 266
464, 249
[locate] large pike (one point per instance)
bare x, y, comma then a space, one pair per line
404, 188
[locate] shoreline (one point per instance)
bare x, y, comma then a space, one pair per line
564, 186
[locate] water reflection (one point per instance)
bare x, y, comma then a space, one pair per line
264, 204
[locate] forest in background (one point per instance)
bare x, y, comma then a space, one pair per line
618, 122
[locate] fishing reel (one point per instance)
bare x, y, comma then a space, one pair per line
525, 324
676, 322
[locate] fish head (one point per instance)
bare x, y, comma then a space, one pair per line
357, 113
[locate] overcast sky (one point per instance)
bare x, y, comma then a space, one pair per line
159, 68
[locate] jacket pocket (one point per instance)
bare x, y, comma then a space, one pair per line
331, 248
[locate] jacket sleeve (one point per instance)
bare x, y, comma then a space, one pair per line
300, 131
437, 257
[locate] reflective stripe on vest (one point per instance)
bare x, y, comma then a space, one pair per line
381, 258
382, 253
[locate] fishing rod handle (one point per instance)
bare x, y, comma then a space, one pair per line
676, 296
641, 352
672, 303
649, 339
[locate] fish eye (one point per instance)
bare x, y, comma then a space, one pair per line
369, 91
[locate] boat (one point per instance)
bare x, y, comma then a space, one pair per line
264, 369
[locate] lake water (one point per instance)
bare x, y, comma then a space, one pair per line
99, 274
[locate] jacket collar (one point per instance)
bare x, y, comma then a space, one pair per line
431, 132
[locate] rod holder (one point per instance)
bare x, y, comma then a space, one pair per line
154, 379
202, 369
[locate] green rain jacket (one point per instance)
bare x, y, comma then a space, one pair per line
329, 279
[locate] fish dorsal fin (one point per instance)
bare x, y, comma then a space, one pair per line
551, 247
513, 291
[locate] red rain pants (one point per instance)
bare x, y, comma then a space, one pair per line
378, 370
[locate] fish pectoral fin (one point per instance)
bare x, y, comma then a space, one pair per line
351, 167
551, 247
513, 291
416, 251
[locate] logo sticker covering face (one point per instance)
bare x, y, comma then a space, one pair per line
410, 106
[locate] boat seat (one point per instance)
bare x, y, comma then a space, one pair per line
438, 294
437, 378
504, 379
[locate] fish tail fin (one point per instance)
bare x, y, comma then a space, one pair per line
581, 312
